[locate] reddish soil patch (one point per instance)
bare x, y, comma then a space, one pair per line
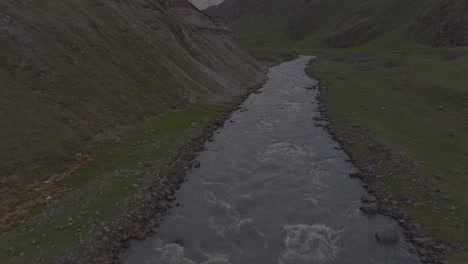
22, 200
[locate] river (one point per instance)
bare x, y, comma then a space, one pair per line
272, 188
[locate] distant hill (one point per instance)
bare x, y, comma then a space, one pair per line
71, 71
346, 23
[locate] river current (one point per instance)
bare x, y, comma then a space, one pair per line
272, 188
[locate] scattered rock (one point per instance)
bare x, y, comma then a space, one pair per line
441, 107
312, 87
196, 164
404, 198
171, 198
370, 209
140, 235
422, 241
439, 248
366, 199
387, 237
356, 175
139, 195
455, 245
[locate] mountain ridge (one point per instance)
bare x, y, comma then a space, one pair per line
345, 24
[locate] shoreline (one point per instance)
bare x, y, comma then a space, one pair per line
145, 220
428, 249
158, 199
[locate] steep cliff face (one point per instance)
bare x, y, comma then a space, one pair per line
71, 70
344, 23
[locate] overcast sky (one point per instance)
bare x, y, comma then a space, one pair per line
202, 4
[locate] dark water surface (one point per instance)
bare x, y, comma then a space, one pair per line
272, 189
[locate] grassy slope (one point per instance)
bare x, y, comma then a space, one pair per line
394, 93
103, 190
102, 78
398, 105
72, 70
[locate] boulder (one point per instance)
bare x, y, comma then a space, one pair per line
387, 237
422, 241
366, 199
370, 209
140, 235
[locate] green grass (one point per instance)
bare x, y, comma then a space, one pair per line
103, 189
395, 96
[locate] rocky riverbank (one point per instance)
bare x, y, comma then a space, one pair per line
154, 200
381, 201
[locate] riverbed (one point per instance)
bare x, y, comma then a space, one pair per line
273, 187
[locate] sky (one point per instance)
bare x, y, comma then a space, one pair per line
202, 4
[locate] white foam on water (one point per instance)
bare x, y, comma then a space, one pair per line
213, 183
352, 210
315, 200
312, 201
246, 225
280, 151
324, 165
292, 106
171, 254
211, 198
218, 230
306, 244
174, 254
217, 260
267, 124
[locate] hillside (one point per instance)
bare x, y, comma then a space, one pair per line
96, 96
341, 24
91, 68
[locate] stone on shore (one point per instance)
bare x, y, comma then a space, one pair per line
387, 237
370, 209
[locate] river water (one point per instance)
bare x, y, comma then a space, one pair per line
272, 189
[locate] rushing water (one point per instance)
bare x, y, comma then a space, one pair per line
272, 188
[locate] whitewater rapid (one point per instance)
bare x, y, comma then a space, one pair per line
272, 188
